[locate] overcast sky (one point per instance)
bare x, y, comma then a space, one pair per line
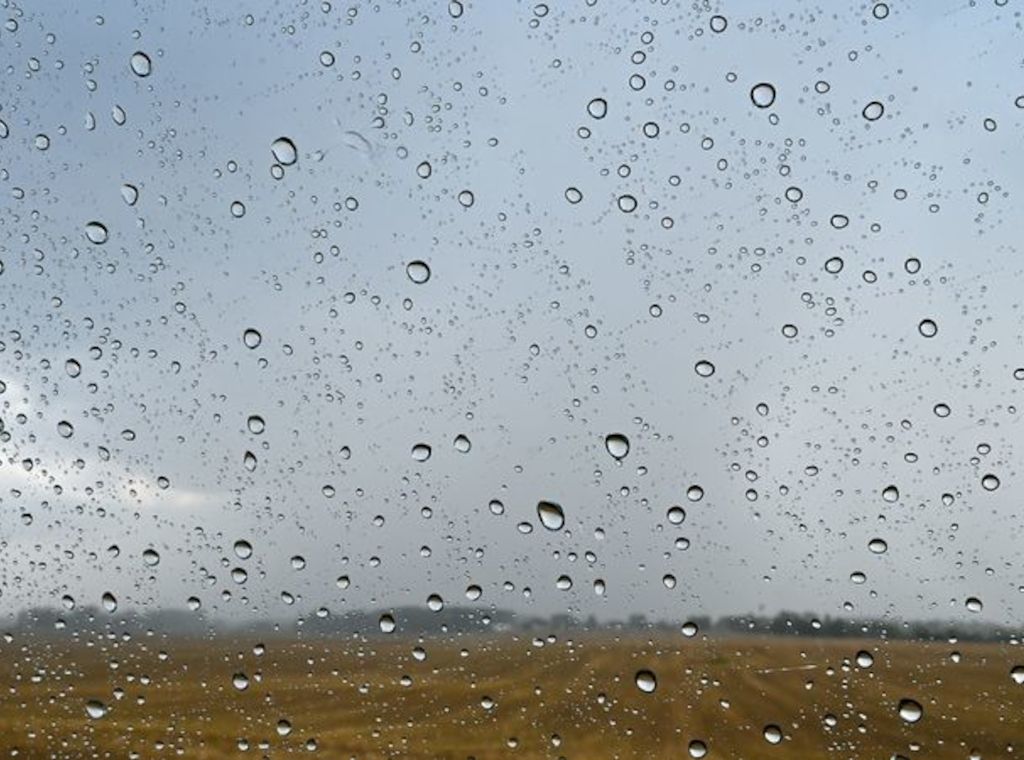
580, 269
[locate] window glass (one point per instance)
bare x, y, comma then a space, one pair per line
511, 379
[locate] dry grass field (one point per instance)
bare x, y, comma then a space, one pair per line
506, 696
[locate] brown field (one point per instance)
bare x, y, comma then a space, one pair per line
574, 698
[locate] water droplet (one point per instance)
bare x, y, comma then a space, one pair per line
466, 198
342, 582
193, 603
252, 338
42, 142
990, 482
96, 709
564, 583
864, 659
474, 592
772, 734
284, 151
141, 65
694, 493
243, 549
387, 623
676, 515
891, 494
878, 546
789, 331
839, 221
462, 444
424, 170
834, 265
255, 424
435, 603
109, 602
928, 328
627, 204
65, 429
973, 604
129, 194
298, 562
326, 58
718, 24
151, 557
704, 368
418, 271
1017, 674
762, 94
249, 461
284, 727
421, 452
873, 111
237, 209
910, 710
697, 748
96, 233
598, 108
551, 515
496, 507
617, 445
689, 629
240, 681
573, 195
646, 681
941, 410
455, 9
668, 580
72, 367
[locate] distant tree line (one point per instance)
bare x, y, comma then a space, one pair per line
83, 621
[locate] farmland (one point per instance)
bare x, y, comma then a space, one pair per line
509, 695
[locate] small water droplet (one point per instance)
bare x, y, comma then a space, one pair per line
129, 194
990, 482
462, 444
973, 604
255, 424
928, 328
387, 623
240, 681
65, 429
697, 748
676, 515
435, 603
834, 265
466, 198
109, 602
772, 734
891, 494
151, 557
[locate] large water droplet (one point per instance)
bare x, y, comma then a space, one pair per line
676, 515
418, 271
109, 602
96, 233
762, 94
243, 549
990, 482
873, 111
1017, 674
421, 452
387, 623
255, 424
598, 108
240, 681
697, 748
928, 328
252, 338
891, 494
772, 734
617, 445
129, 194
864, 659
96, 709
646, 681
141, 65
910, 710
151, 557
878, 546
551, 515
704, 368
973, 604
284, 151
